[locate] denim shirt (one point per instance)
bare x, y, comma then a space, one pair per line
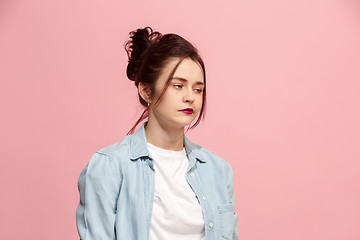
117, 191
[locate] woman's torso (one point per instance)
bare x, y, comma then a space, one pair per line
124, 198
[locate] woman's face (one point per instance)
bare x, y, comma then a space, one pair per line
182, 100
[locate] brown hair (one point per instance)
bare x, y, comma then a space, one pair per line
148, 52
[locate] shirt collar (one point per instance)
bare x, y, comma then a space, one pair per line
138, 146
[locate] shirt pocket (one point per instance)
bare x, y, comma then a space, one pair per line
227, 218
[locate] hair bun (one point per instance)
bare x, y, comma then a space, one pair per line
141, 40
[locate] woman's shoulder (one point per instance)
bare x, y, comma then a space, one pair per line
215, 159
114, 153
213, 167
116, 148
207, 155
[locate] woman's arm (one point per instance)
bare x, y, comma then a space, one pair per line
99, 186
230, 187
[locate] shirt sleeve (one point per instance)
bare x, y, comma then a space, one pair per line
99, 186
230, 187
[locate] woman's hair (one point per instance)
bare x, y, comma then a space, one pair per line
149, 52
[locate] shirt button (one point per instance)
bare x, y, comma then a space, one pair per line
192, 174
204, 198
211, 225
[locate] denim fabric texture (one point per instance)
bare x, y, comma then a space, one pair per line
117, 191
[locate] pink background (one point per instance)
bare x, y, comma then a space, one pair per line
283, 107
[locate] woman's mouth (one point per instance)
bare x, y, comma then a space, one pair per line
187, 110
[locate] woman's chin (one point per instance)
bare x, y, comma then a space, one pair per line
183, 123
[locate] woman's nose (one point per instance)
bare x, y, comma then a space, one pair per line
189, 96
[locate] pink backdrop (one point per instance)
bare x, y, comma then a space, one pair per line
283, 107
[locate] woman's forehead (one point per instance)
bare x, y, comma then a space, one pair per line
188, 69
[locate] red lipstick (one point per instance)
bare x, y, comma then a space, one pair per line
187, 110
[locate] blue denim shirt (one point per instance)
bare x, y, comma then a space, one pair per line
117, 191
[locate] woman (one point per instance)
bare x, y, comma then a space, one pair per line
156, 184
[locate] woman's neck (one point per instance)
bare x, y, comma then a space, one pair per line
164, 137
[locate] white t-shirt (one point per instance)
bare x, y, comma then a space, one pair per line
176, 213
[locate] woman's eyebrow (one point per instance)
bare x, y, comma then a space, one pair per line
185, 80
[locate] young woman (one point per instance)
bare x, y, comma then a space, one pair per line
155, 184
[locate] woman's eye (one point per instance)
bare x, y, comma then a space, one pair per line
178, 86
198, 90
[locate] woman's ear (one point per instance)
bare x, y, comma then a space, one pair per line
144, 91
